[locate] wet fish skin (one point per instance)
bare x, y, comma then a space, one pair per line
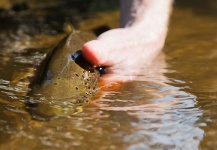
65, 81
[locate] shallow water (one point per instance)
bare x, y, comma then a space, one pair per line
173, 106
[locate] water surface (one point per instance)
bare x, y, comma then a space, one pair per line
172, 106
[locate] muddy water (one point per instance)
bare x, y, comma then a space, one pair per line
192, 53
173, 106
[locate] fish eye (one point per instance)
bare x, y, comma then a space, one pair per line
76, 55
78, 58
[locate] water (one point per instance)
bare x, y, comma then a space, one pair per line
173, 106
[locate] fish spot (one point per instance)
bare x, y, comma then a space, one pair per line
87, 101
76, 74
76, 88
55, 83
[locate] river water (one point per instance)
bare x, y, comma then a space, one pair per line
172, 106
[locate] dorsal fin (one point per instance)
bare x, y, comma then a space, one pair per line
68, 28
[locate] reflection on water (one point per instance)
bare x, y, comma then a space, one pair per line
166, 116
172, 106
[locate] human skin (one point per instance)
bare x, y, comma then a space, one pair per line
138, 41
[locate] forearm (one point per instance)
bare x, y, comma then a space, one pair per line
152, 15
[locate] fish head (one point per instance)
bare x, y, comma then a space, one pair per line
65, 81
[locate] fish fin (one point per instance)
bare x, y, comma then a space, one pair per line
68, 28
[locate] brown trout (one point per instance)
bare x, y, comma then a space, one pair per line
65, 81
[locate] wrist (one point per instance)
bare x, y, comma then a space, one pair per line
149, 17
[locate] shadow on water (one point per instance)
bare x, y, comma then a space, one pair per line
171, 106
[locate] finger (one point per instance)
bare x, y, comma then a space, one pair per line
97, 52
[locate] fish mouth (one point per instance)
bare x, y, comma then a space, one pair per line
79, 59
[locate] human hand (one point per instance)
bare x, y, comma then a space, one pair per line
125, 50
129, 49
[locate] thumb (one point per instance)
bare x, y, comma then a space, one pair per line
96, 52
